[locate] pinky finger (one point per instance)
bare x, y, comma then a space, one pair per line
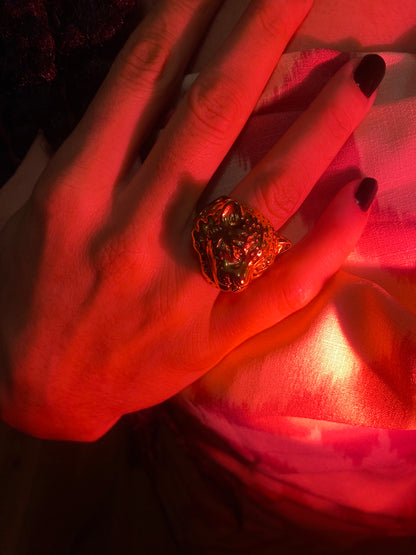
300, 274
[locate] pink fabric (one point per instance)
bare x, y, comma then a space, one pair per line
319, 411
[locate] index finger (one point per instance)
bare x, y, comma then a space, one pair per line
137, 88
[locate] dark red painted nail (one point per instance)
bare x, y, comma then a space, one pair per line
370, 73
366, 192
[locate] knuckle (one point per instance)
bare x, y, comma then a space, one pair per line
339, 122
105, 258
280, 19
215, 105
48, 204
279, 196
61, 203
108, 257
145, 60
272, 22
294, 295
116, 258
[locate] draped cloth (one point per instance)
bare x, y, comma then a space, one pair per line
311, 425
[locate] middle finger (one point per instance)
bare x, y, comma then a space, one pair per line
217, 106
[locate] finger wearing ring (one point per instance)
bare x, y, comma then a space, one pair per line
235, 244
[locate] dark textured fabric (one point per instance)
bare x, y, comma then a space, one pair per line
53, 57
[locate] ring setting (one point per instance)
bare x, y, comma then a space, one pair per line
235, 244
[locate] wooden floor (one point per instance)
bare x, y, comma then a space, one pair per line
59, 498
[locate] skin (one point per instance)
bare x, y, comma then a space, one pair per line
104, 309
346, 25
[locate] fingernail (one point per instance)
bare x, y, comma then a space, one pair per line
370, 73
366, 192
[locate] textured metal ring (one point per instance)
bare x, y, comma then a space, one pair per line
235, 244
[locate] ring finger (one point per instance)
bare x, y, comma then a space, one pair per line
279, 184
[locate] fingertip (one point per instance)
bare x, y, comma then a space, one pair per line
342, 223
369, 73
366, 192
351, 204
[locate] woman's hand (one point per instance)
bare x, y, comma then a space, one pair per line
104, 309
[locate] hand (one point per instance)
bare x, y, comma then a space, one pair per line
104, 308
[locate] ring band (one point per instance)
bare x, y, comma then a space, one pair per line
235, 244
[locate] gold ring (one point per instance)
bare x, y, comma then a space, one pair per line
235, 244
